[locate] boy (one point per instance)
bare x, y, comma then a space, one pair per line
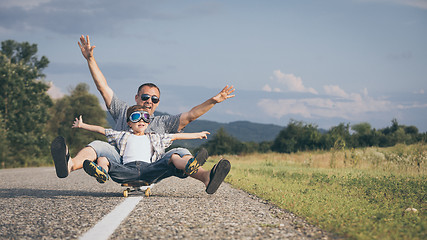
143, 155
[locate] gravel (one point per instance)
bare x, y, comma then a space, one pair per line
180, 209
35, 204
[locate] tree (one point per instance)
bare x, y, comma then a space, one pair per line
3, 143
297, 136
24, 103
337, 133
364, 136
223, 143
66, 109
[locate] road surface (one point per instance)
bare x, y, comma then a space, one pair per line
35, 204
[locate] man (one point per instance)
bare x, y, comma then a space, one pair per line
148, 96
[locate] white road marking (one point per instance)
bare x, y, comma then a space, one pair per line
103, 229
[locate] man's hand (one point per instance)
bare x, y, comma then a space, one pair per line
84, 45
224, 94
98, 77
78, 122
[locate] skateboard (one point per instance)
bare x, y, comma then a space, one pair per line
137, 186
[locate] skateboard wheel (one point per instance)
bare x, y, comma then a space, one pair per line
125, 193
148, 192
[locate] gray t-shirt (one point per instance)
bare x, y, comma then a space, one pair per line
158, 124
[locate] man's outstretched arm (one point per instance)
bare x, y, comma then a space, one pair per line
98, 77
201, 109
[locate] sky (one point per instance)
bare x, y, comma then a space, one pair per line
323, 62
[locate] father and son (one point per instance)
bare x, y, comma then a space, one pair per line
137, 143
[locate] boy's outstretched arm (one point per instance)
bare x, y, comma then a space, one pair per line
201, 109
78, 123
98, 77
185, 136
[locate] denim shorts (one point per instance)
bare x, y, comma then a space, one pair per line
149, 172
104, 149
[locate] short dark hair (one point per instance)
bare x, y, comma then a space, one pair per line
151, 85
132, 109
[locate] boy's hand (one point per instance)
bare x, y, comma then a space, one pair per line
204, 134
78, 122
84, 45
224, 94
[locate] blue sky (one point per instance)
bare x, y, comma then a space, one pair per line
320, 61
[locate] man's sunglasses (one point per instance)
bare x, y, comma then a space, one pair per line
137, 116
154, 98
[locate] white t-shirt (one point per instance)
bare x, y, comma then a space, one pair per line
138, 148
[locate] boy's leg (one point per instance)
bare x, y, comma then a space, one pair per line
163, 167
180, 162
197, 161
104, 163
95, 170
93, 151
189, 164
121, 173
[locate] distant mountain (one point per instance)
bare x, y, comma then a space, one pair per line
242, 130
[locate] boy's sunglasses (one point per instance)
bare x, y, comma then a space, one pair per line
137, 116
154, 98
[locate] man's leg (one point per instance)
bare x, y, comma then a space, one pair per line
64, 164
87, 153
212, 179
217, 175
202, 175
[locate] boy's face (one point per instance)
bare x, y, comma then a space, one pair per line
138, 127
148, 105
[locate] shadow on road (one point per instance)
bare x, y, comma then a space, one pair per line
43, 193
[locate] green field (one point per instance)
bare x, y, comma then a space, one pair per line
371, 193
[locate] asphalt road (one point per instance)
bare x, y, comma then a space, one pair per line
35, 204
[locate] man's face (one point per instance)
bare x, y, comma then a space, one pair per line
148, 104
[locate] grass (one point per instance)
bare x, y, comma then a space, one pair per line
357, 194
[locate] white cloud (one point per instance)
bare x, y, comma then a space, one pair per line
334, 90
267, 88
282, 107
411, 106
292, 82
413, 3
54, 92
337, 104
421, 91
233, 112
348, 106
25, 4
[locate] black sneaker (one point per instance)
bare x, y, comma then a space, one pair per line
96, 171
60, 156
194, 163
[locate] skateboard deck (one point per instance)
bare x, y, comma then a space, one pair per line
137, 186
